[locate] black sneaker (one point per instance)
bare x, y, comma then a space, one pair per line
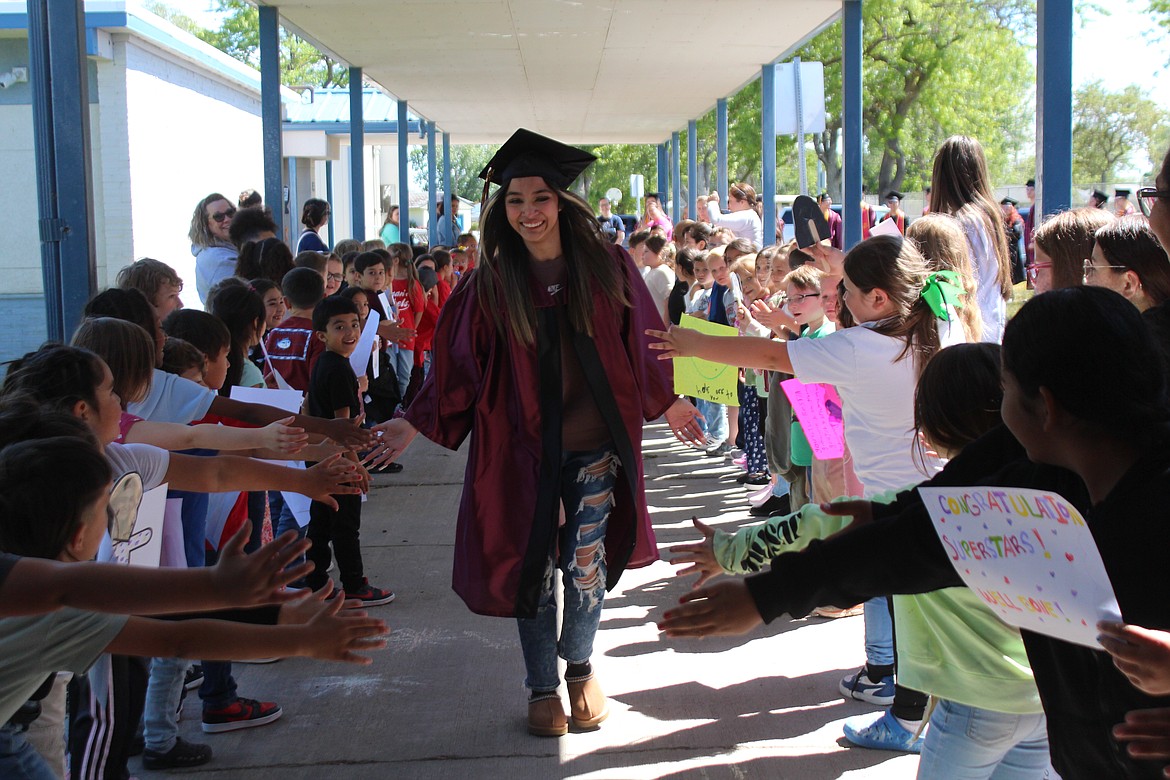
183, 754
370, 595
756, 480
240, 714
776, 505
194, 677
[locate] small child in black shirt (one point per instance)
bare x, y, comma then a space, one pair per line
333, 393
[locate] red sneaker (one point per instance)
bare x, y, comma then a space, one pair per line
371, 596
240, 714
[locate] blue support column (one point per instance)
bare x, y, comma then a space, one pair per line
768, 140
432, 188
403, 174
329, 197
1054, 31
676, 174
721, 148
692, 167
851, 115
61, 131
663, 164
357, 157
447, 170
294, 203
270, 114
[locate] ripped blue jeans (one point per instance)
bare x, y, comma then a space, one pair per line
587, 483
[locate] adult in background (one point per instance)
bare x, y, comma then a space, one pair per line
1013, 225
211, 245
741, 219
836, 224
612, 227
1121, 205
1030, 221
894, 204
449, 225
546, 359
314, 216
391, 231
1097, 199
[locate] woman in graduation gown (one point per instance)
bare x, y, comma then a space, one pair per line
540, 355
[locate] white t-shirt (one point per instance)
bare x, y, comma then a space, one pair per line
149, 461
33, 647
992, 306
744, 224
659, 281
173, 399
877, 392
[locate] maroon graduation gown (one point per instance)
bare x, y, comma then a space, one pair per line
489, 386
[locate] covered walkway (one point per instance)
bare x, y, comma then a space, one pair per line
447, 698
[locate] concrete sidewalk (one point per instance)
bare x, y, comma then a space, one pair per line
447, 698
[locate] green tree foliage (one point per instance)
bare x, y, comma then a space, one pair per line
1110, 128
932, 68
466, 163
239, 37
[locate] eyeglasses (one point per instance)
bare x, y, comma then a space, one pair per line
1091, 270
1146, 197
1033, 270
220, 216
335, 277
799, 298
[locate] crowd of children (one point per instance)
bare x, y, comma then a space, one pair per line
905, 331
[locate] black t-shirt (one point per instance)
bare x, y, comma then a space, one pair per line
332, 385
676, 304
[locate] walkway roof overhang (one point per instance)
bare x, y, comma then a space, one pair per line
582, 71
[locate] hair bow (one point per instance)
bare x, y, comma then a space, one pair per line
942, 288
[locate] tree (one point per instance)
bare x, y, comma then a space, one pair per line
466, 163
239, 37
1110, 128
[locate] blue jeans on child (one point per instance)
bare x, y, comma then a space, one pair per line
18, 759
587, 483
969, 743
716, 415
403, 360
879, 633
163, 693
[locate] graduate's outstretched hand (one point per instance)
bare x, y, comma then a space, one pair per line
393, 437
683, 418
1148, 734
1141, 654
722, 609
701, 555
260, 578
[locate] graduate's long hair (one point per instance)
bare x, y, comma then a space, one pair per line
502, 278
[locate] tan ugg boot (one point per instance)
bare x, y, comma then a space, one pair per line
587, 703
546, 716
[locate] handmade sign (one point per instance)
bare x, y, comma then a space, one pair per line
818, 408
1029, 555
361, 353
705, 379
136, 523
808, 222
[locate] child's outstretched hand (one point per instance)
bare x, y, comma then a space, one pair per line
260, 578
349, 432
307, 603
722, 609
1141, 654
335, 635
332, 476
284, 437
701, 555
676, 342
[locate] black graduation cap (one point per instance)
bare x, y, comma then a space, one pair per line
894, 195
1009, 202
1030, 183
530, 154
1121, 193
1101, 196
808, 222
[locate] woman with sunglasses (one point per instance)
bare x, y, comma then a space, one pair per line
1128, 259
215, 254
742, 219
1155, 203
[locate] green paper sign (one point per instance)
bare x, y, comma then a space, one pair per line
703, 378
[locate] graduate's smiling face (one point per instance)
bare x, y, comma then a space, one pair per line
533, 210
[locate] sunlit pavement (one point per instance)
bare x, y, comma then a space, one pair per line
446, 699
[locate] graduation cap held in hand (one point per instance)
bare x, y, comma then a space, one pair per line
809, 222
530, 154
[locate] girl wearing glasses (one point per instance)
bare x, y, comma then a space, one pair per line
215, 254
1128, 259
1062, 242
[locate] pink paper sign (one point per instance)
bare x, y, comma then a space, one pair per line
818, 408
